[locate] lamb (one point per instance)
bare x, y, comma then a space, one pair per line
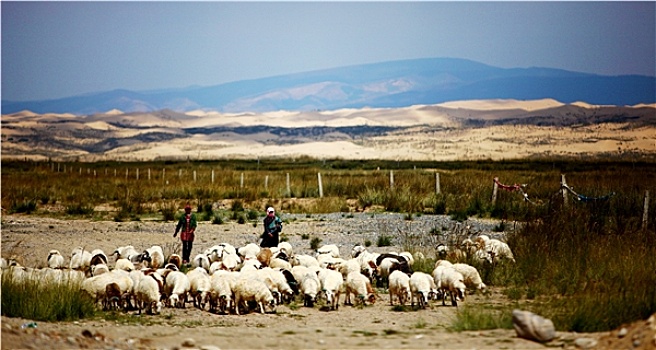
250, 289
249, 251
472, 278
124, 264
148, 294
201, 260
449, 280
177, 286
55, 260
199, 286
331, 285
96, 286
80, 259
359, 285
155, 256
331, 249
399, 285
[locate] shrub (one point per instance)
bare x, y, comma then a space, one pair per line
217, 220
26, 207
168, 210
384, 241
33, 299
252, 215
237, 205
314, 243
79, 209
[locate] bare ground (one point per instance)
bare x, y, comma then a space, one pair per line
372, 327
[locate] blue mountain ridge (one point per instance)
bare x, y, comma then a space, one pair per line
386, 84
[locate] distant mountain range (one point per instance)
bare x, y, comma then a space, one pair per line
380, 85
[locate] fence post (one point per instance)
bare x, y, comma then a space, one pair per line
179, 173
137, 176
212, 175
437, 183
57, 167
94, 173
241, 180
80, 171
163, 174
126, 174
563, 183
148, 174
289, 189
320, 186
495, 189
194, 175
645, 212
266, 183
114, 172
391, 179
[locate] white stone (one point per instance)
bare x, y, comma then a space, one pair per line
533, 327
585, 343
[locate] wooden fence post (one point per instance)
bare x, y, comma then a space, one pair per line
645, 212
241, 180
266, 183
194, 175
137, 176
437, 183
114, 172
94, 173
391, 179
163, 174
148, 174
320, 186
563, 184
212, 175
57, 167
289, 189
80, 171
126, 174
495, 189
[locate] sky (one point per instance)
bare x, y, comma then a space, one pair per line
60, 49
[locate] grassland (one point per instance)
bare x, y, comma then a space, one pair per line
588, 265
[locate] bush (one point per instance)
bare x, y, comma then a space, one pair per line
384, 241
33, 299
237, 205
168, 211
79, 209
252, 215
314, 243
217, 220
26, 207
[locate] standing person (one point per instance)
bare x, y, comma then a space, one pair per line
272, 228
187, 224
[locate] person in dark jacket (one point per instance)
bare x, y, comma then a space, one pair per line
187, 224
272, 229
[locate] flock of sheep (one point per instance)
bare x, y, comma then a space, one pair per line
225, 279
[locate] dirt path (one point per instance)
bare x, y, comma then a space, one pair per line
372, 327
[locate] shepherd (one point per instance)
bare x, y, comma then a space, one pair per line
187, 224
272, 229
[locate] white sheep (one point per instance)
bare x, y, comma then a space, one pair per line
199, 286
359, 285
154, 256
330, 249
408, 257
286, 248
304, 260
124, 264
399, 286
99, 269
310, 286
421, 287
331, 286
347, 266
230, 261
127, 252
148, 295
80, 259
55, 260
251, 289
176, 260
201, 260
221, 285
98, 257
177, 286
449, 280
357, 250
472, 278
96, 286
500, 250
277, 263
249, 251
383, 270
214, 253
